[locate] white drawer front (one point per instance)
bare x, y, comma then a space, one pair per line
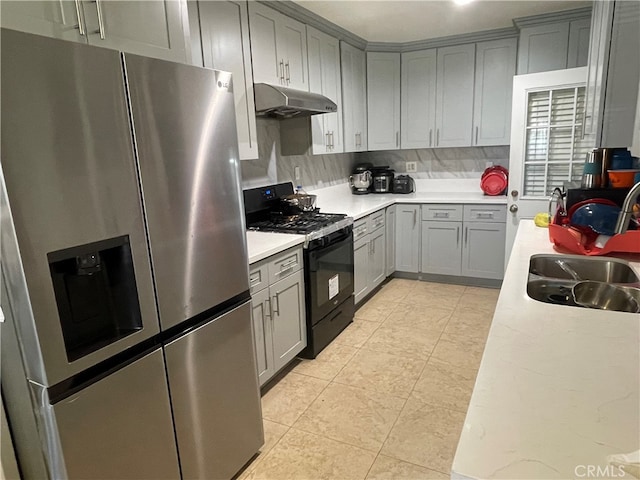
442, 212
258, 276
377, 220
360, 228
485, 213
285, 264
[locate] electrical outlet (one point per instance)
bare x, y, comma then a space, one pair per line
412, 167
296, 172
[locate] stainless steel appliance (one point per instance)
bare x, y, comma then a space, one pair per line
361, 179
404, 184
124, 254
382, 180
282, 102
328, 260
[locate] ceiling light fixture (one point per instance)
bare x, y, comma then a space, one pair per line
462, 2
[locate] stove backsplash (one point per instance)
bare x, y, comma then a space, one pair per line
324, 170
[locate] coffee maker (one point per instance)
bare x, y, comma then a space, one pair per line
361, 179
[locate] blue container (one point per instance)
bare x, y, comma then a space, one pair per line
621, 160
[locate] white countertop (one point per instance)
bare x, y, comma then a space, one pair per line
261, 245
339, 199
558, 387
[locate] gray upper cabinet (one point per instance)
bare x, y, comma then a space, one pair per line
324, 78
418, 102
454, 103
383, 100
59, 19
154, 29
543, 48
612, 74
223, 37
495, 68
578, 51
354, 97
278, 48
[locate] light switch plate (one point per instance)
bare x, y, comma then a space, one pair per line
412, 167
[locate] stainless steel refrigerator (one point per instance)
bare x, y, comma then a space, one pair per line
128, 350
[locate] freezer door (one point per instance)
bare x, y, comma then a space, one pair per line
185, 131
215, 396
70, 173
120, 427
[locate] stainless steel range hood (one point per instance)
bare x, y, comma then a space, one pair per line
282, 102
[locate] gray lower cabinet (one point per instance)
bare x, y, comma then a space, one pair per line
390, 226
463, 241
407, 238
441, 248
483, 250
277, 311
153, 29
369, 248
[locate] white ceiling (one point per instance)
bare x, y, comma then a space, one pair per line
406, 21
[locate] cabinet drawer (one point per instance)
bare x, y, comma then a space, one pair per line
485, 213
360, 228
443, 212
376, 220
285, 264
258, 276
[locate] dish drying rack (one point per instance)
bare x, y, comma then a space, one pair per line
582, 240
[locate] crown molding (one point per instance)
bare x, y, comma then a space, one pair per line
294, 10
307, 17
553, 17
484, 36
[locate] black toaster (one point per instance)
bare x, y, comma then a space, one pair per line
404, 184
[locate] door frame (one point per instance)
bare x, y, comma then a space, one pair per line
522, 85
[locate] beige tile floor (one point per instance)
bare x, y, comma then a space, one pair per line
387, 399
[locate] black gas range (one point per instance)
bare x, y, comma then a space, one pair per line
328, 259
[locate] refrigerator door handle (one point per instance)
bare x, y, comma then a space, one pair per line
100, 20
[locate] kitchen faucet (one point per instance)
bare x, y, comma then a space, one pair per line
625, 214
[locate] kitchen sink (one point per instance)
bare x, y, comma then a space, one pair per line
552, 279
576, 267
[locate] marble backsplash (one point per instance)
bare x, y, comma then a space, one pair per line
324, 170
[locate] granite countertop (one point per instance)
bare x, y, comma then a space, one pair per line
261, 245
558, 387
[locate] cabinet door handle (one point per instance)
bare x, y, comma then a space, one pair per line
327, 143
457, 235
286, 66
81, 27
430, 136
281, 71
484, 215
466, 232
476, 135
100, 19
437, 137
276, 304
397, 139
268, 312
415, 215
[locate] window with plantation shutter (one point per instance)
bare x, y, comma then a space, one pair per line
555, 150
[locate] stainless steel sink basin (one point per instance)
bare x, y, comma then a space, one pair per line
609, 270
552, 278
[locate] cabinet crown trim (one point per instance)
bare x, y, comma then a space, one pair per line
553, 17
